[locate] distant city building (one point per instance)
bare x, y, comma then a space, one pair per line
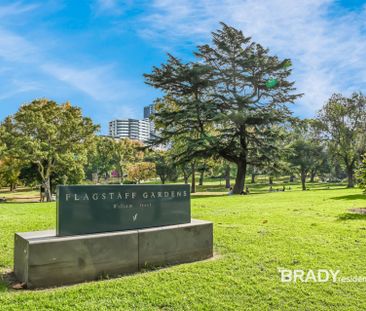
130, 128
148, 111
142, 130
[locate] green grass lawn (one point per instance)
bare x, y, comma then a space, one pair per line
253, 236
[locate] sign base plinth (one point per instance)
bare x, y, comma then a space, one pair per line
42, 259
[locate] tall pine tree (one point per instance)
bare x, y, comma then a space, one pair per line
229, 102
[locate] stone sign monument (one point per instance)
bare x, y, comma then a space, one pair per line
110, 230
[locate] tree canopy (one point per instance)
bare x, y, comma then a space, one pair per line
361, 174
344, 125
50, 135
223, 101
305, 150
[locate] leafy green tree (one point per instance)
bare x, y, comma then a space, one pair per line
113, 154
321, 163
344, 124
224, 102
101, 160
165, 168
178, 152
322, 160
250, 109
67, 174
306, 150
2, 142
361, 173
324, 166
253, 171
49, 135
125, 152
140, 171
185, 168
9, 172
29, 175
203, 167
275, 168
271, 161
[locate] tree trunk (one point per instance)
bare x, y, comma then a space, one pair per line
185, 177
13, 186
292, 178
350, 177
303, 180
270, 180
162, 179
120, 172
312, 175
227, 176
47, 192
202, 174
193, 186
253, 179
240, 177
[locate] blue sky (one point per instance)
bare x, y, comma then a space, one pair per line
94, 53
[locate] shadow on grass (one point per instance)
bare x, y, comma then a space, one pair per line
22, 203
351, 216
351, 197
224, 194
8, 282
324, 185
19, 190
203, 196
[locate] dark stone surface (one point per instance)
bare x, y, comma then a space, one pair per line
104, 208
54, 261
20, 257
175, 244
43, 259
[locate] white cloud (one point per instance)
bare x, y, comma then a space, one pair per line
327, 47
21, 54
96, 82
16, 8
14, 87
15, 48
123, 111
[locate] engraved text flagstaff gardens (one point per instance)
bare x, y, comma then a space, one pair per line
91, 209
